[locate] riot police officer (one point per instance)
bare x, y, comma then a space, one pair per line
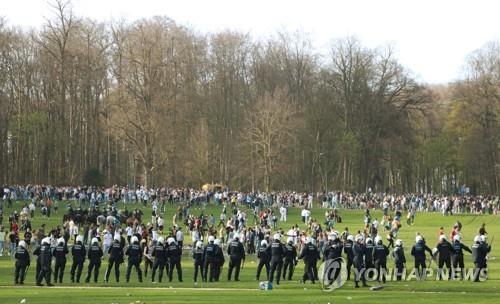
209, 260
236, 253
348, 245
115, 253
359, 252
173, 254
418, 252
290, 259
399, 259
59, 253
310, 255
134, 253
45, 263
219, 259
457, 256
479, 252
78, 252
160, 256
277, 255
369, 255
264, 255
445, 250
22, 262
198, 261
94, 255
380, 253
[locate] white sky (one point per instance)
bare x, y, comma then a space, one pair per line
431, 37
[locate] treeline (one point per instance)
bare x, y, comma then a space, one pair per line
157, 103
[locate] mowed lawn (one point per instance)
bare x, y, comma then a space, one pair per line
246, 291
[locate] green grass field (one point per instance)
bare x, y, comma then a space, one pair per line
246, 291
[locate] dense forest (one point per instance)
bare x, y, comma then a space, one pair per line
153, 102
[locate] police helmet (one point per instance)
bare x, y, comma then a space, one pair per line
457, 237
289, 240
350, 238
276, 236
211, 239
161, 240
79, 239
418, 238
117, 238
369, 240
217, 242
170, 240
22, 244
61, 240
199, 244
94, 241
399, 243
134, 239
378, 240
46, 241
263, 243
442, 237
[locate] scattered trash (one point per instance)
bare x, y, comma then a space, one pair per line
349, 298
23, 301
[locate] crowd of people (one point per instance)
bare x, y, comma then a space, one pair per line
97, 224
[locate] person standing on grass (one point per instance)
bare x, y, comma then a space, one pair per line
310, 255
115, 253
198, 261
159, 255
290, 259
45, 263
236, 253
134, 253
94, 255
60, 252
173, 254
22, 262
78, 252
277, 255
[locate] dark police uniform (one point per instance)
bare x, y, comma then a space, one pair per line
236, 253
174, 260
160, 257
78, 251
219, 262
59, 253
264, 255
22, 262
277, 255
445, 250
399, 261
115, 259
198, 263
359, 252
418, 252
479, 252
310, 255
380, 253
209, 262
94, 255
45, 265
350, 257
457, 256
290, 260
134, 253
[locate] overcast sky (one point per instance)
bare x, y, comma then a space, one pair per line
431, 37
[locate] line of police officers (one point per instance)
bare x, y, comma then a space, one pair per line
277, 258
